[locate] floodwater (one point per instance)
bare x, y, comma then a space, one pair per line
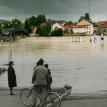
82, 65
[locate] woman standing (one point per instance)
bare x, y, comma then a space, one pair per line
11, 77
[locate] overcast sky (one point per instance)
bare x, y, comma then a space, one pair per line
69, 10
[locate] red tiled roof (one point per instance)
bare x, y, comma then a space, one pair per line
101, 22
80, 26
104, 25
69, 24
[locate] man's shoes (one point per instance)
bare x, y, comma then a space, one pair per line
12, 94
32, 106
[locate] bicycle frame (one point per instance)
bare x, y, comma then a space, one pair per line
31, 89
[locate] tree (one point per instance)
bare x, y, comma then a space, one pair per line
81, 18
41, 19
57, 32
87, 17
27, 26
75, 23
16, 23
44, 30
36, 21
32, 21
1, 28
66, 30
39, 31
48, 29
50, 21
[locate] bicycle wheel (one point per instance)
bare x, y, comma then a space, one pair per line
52, 100
26, 96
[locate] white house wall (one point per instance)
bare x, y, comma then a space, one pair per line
88, 30
92, 29
79, 30
56, 25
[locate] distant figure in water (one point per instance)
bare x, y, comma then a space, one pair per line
11, 77
102, 39
90, 39
95, 38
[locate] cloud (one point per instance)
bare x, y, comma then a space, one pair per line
54, 9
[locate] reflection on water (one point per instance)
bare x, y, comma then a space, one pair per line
79, 64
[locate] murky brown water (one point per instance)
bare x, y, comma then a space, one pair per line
83, 65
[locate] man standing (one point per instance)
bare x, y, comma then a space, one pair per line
41, 80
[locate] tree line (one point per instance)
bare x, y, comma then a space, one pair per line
29, 23
42, 30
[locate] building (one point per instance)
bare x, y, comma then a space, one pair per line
83, 27
68, 25
102, 27
56, 25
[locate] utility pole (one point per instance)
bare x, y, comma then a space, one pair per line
89, 11
89, 8
90, 22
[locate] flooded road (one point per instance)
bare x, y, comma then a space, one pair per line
82, 65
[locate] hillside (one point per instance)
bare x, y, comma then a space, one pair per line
4, 21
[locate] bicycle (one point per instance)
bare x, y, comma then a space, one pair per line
51, 99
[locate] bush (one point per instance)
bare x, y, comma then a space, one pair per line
57, 32
43, 31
